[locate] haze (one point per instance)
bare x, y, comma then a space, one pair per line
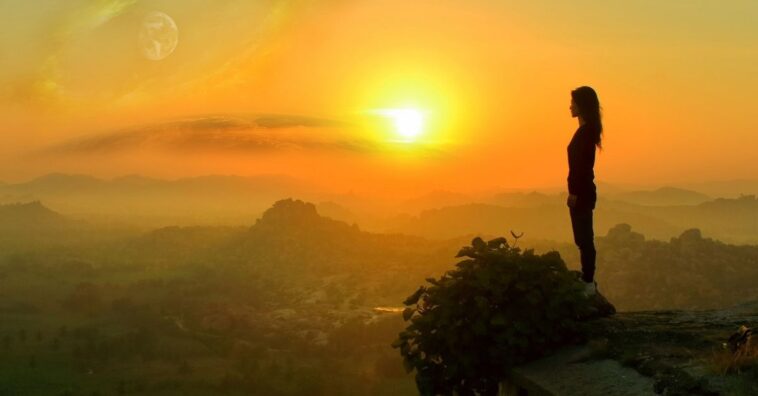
675, 80
240, 197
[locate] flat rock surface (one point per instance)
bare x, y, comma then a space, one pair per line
678, 347
567, 373
672, 352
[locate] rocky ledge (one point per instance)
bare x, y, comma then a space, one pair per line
672, 352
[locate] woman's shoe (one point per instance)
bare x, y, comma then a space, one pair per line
590, 288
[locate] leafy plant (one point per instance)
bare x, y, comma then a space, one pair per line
500, 307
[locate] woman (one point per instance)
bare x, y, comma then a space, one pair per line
582, 191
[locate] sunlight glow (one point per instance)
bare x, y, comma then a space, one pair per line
408, 123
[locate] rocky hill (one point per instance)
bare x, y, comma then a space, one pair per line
18, 216
31, 225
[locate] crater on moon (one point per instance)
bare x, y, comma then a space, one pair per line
158, 36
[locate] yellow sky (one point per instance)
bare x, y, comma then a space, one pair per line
675, 79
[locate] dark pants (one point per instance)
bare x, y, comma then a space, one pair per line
581, 223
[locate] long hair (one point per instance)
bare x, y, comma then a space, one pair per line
589, 109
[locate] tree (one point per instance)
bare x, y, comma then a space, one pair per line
184, 368
86, 297
499, 308
55, 344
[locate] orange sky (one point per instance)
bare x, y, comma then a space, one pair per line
675, 80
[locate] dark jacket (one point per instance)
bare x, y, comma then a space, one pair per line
581, 160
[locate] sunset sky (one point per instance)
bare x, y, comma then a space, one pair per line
380, 97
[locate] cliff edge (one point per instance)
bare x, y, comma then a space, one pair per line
670, 352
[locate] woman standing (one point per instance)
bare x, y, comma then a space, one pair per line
585, 106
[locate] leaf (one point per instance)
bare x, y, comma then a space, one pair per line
483, 277
498, 320
397, 343
533, 297
413, 298
465, 263
433, 281
478, 243
479, 328
408, 312
408, 365
465, 251
495, 243
482, 302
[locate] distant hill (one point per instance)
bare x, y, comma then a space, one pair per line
664, 196
215, 199
688, 271
725, 188
57, 183
434, 199
293, 228
726, 219
732, 220
32, 225
336, 211
524, 199
291, 242
298, 217
33, 216
548, 221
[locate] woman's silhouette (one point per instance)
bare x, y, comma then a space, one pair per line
585, 106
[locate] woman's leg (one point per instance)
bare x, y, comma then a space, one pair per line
581, 223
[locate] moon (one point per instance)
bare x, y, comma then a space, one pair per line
158, 36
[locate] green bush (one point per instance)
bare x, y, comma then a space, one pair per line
499, 308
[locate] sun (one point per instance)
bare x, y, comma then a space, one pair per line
408, 123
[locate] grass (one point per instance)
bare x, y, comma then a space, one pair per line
725, 362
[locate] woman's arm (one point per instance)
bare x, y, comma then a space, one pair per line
582, 173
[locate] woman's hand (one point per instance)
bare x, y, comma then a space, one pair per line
571, 202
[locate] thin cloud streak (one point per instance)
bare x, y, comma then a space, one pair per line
226, 133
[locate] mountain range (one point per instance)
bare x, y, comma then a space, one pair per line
141, 202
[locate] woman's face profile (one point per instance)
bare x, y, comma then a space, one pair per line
574, 109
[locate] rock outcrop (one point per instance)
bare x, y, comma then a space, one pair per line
670, 352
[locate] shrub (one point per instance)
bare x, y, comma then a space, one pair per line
499, 308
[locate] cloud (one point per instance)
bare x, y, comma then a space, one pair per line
86, 54
279, 121
257, 133
43, 80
